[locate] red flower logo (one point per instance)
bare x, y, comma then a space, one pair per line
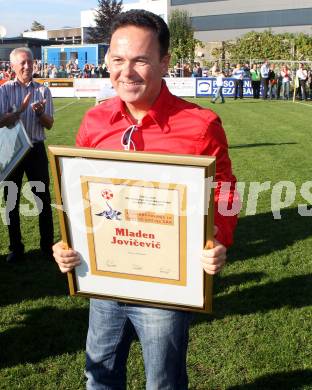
107, 194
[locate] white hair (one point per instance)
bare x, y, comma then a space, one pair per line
14, 53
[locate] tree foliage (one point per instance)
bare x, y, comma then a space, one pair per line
302, 46
182, 43
260, 45
106, 11
36, 26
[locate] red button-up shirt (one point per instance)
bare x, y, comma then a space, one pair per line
172, 125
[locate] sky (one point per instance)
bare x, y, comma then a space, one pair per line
18, 15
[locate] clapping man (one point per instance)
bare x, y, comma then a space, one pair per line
30, 102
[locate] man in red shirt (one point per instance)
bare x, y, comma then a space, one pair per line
145, 116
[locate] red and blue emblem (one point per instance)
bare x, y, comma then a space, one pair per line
107, 194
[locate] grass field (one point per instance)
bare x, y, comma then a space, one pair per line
259, 336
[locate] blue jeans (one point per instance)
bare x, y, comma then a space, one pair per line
272, 91
286, 90
219, 94
163, 335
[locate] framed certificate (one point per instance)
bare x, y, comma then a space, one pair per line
139, 222
14, 144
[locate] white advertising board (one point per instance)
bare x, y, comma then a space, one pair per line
89, 87
182, 86
62, 92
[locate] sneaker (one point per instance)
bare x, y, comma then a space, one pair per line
15, 257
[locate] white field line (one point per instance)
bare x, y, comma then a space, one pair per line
66, 105
301, 103
304, 104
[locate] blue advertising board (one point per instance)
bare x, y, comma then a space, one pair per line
206, 87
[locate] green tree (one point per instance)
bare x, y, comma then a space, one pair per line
36, 26
182, 43
106, 11
260, 45
302, 47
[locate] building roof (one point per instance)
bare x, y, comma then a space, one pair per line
26, 40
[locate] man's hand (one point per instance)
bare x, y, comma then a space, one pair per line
39, 107
45, 119
9, 119
66, 259
25, 103
214, 259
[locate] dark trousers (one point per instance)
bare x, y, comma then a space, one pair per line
255, 89
35, 165
265, 84
302, 90
278, 89
238, 88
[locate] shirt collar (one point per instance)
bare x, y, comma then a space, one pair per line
30, 83
158, 113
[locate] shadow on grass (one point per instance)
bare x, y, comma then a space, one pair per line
261, 234
240, 146
256, 236
294, 380
33, 278
294, 292
44, 332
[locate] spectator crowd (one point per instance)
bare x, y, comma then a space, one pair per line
275, 79
44, 70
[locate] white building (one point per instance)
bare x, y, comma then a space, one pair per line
220, 20
70, 35
213, 20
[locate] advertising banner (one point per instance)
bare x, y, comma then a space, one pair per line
56, 83
181, 86
206, 87
101, 88
58, 87
184, 86
90, 87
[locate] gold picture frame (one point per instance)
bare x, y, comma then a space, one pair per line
139, 221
